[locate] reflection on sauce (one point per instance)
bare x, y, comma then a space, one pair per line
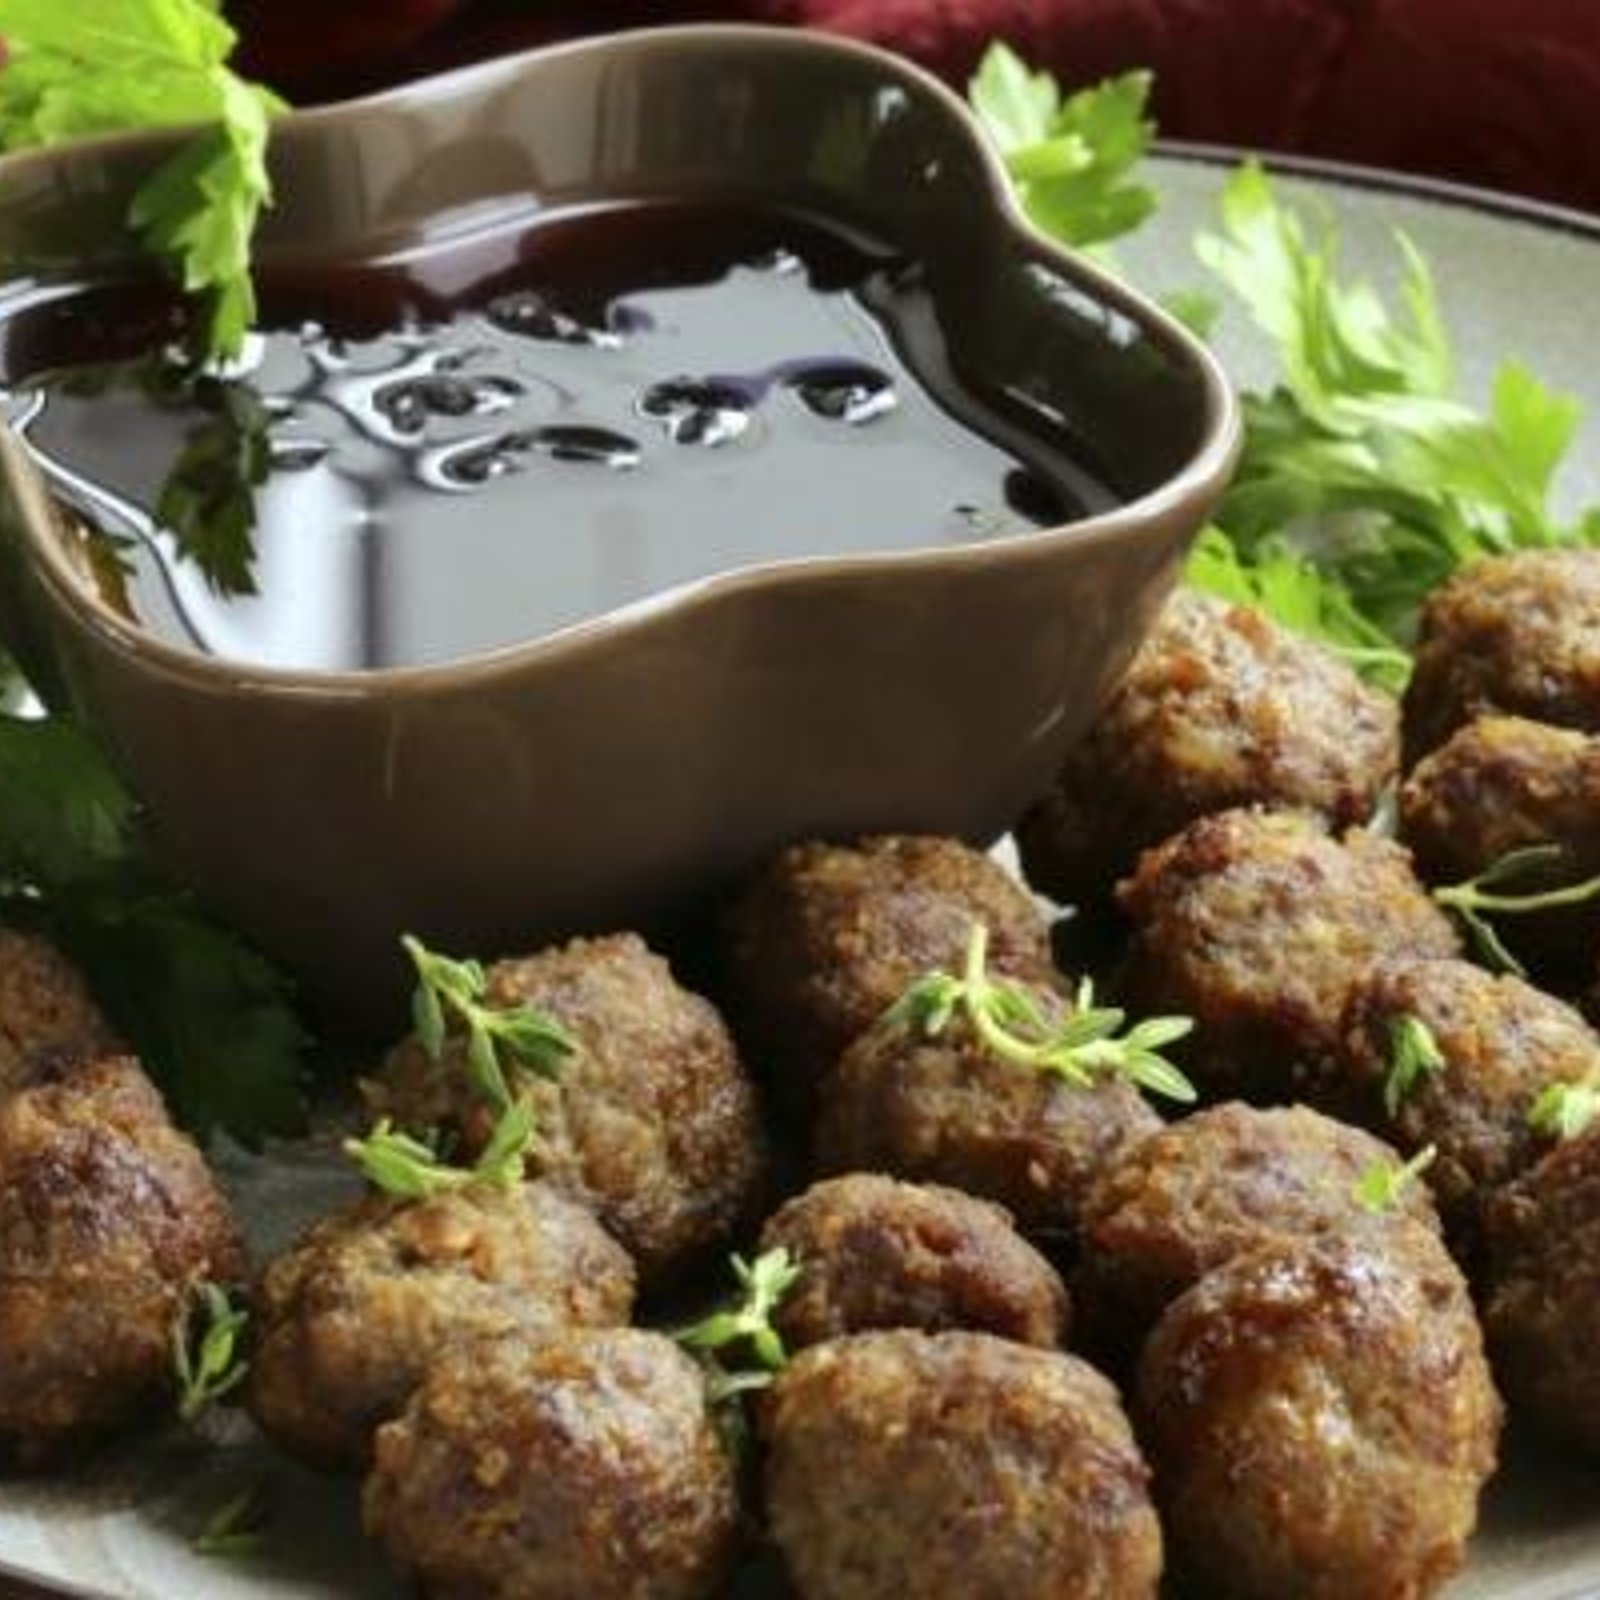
644, 396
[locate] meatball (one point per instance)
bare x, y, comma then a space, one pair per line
1501, 784
955, 1466
1221, 708
875, 1253
584, 1465
1502, 1043
1321, 1419
109, 1218
1217, 1185
948, 1110
47, 1019
1541, 1293
653, 1123
829, 936
1256, 924
1514, 633
351, 1318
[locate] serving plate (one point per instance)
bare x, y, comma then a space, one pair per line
1516, 280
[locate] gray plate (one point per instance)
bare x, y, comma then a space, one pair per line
1515, 281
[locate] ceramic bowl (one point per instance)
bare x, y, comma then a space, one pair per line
623, 770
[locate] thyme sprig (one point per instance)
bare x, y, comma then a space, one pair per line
400, 1164
1080, 1048
207, 1354
498, 1037
1414, 1055
1565, 1110
236, 1528
1491, 894
1383, 1184
745, 1326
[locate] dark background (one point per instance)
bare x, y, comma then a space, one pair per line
1504, 93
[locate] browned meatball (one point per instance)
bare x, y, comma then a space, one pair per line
1221, 708
955, 1466
1320, 1419
875, 1253
47, 1018
351, 1318
1256, 924
1541, 1296
108, 1219
1501, 784
1513, 633
585, 1465
829, 936
1502, 1042
653, 1124
1214, 1186
947, 1110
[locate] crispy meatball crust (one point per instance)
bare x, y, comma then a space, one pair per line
47, 1019
876, 1253
1518, 634
1541, 1294
653, 1124
829, 936
108, 1219
350, 1319
955, 1466
1221, 708
1501, 784
1256, 924
1321, 1419
1216, 1185
1503, 1042
946, 1110
586, 1465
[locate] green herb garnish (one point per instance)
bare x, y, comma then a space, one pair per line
236, 1528
1383, 1184
1080, 1048
1478, 900
1071, 159
82, 67
1364, 462
207, 1358
498, 1037
1414, 1055
212, 1021
745, 1326
1564, 1110
413, 1168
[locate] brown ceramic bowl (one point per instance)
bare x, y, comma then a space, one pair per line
623, 769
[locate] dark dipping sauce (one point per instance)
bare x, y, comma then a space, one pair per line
435, 456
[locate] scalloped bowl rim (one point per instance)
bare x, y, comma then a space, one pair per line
1205, 469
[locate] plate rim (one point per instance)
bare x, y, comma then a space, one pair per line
1339, 174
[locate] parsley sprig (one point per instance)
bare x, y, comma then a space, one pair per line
1383, 1183
1476, 902
745, 1327
1080, 1048
1414, 1056
400, 1164
1071, 158
207, 1351
499, 1037
104, 66
213, 1021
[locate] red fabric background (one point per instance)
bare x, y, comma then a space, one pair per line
1498, 92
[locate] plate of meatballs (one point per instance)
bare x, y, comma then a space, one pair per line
1197, 1196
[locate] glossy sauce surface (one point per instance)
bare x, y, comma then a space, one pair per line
431, 458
